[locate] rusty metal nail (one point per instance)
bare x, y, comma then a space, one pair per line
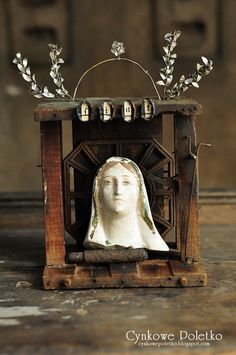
183, 281
67, 282
202, 279
190, 260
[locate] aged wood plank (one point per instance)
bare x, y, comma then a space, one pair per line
66, 110
52, 186
118, 129
148, 273
187, 195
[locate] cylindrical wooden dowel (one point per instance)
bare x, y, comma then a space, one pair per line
109, 256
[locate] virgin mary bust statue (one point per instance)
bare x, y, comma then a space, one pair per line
120, 214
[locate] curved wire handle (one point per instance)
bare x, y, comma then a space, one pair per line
117, 49
111, 60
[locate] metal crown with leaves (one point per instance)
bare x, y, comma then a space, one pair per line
166, 73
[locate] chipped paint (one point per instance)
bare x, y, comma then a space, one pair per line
81, 312
25, 311
68, 302
66, 317
87, 303
54, 310
23, 284
12, 312
138, 317
8, 300
48, 298
7, 322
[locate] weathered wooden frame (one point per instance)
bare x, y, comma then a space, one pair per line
161, 270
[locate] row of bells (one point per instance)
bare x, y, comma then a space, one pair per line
106, 111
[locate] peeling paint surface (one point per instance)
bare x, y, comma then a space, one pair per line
137, 317
6, 322
23, 284
17, 311
8, 300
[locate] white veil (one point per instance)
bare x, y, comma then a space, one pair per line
149, 237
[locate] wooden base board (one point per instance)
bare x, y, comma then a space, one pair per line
148, 273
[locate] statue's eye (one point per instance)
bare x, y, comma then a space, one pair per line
126, 182
106, 182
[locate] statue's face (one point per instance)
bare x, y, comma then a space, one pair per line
119, 190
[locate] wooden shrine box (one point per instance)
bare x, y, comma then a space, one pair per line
171, 179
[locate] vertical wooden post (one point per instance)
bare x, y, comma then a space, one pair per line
51, 142
187, 228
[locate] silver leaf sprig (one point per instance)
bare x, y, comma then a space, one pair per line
192, 80
118, 48
37, 90
169, 58
25, 71
54, 72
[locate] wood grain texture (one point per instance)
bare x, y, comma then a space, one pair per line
52, 187
187, 195
148, 273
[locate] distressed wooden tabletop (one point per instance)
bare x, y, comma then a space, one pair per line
34, 321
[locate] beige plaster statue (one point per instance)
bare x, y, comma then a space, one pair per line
121, 215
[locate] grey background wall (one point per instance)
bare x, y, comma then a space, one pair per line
86, 30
